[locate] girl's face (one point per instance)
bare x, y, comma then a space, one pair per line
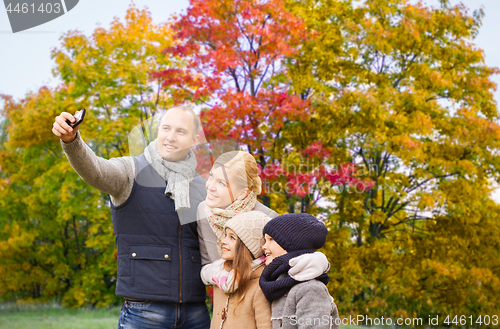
229, 245
272, 249
221, 191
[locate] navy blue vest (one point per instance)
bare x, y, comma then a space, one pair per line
158, 258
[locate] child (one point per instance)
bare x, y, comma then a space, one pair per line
238, 299
295, 304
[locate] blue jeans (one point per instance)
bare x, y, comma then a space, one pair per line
163, 315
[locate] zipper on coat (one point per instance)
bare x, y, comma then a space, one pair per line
180, 259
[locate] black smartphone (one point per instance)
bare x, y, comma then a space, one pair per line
79, 115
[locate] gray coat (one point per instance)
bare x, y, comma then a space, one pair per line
306, 305
207, 237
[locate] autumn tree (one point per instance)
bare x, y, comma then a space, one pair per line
56, 238
236, 53
401, 88
406, 93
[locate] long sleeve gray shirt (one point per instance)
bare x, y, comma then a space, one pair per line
114, 176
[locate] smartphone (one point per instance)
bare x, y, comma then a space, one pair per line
79, 115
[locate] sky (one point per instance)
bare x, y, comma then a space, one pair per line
25, 63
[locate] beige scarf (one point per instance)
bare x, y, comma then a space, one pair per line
217, 217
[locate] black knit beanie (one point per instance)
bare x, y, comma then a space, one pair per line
297, 231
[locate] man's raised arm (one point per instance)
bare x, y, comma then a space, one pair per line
114, 177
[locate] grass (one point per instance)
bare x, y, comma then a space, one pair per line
50, 317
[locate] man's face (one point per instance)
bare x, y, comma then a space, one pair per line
175, 135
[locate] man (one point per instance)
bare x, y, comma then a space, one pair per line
158, 258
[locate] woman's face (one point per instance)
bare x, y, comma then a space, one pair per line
221, 190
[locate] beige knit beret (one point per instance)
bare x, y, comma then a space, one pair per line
248, 227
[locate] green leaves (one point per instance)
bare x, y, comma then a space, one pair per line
56, 235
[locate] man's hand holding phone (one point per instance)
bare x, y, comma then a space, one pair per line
66, 126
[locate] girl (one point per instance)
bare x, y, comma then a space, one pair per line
296, 304
238, 299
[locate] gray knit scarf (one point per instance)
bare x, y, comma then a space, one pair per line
177, 174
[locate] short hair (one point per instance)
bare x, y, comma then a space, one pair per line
244, 168
185, 108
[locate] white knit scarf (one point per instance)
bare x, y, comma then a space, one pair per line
177, 174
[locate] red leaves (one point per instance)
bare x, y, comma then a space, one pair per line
346, 175
233, 49
251, 120
316, 150
301, 180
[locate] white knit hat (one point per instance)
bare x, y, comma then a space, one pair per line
248, 227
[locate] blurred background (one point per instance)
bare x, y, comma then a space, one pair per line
379, 117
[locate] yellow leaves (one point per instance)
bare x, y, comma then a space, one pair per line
406, 142
36, 108
436, 81
17, 241
422, 123
458, 191
378, 217
65, 195
426, 201
339, 236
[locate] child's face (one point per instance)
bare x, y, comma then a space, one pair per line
272, 249
229, 245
